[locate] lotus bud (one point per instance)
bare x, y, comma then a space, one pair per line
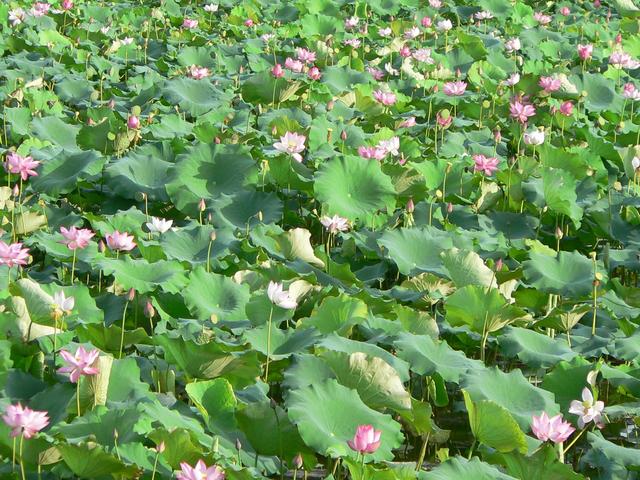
592, 377
343, 135
202, 206
439, 194
212, 236
101, 247
330, 105
149, 311
274, 131
16, 190
209, 217
238, 444
133, 122
617, 186
112, 104
499, 265
410, 206
297, 462
161, 447
115, 434
260, 217
131, 295
559, 233
449, 207
217, 140
486, 104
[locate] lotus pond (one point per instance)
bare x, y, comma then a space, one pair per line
393, 239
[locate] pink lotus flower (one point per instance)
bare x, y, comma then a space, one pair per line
198, 72
280, 297
353, 42
630, 91
487, 165
454, 89
351, 23
305, 55
17, 16
314, 73
391, 146
376, 73
413, 32
67, 5
122, 242
366, 440
565, 11
542, 18
292, 144
13, 254
335, 224
293, 65
512, 45
444, 121
555, 428
550, 84
405, 51
587, 409
200, 472
621, 59
133, 122
248, 23
24, 421
513, 79
21, 165
435, 3
75, 238
385, 98
277, 71
585, 51
521, 111
40, 9
189, 23
376, 153
426, 22
566, 108
483, 15
385, 32
407, 123
80, 363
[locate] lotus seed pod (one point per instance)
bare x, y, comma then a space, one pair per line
486, 104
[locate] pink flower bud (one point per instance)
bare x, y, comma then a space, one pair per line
161, 447
202, 206
149, 311
343, 135
133, 122
16, 190
405, 52
217, 140
499, 265
410, 206
277, 71
248, 22
565, 11
131, 295
298, 462
449, 207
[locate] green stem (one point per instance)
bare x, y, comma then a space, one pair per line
575, 439
78, 396
24, 477
266, 370
124, 315
155, 466
73, 265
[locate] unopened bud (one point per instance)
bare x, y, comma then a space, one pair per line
161, 447
202, 206
330, 105
297, 462
217, 140
343, 135
149, 311
592, 377
16, 190
131, 294
274, 131
499, 265
260, 217
449, 207
101, 247
238, 444
559, 233
213, 236
410, 206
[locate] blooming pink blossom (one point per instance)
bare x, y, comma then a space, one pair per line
521, 111
79, 364
405, 51
61, 304
292, 144
353, 42
550, 84
620, 59
426, 22
483, 15
75, 238
630, 91
351, 23
587, 409
566, 108
487, 165
385, 98
293, 65
542, 18
198, 72
248, 23
585, 51
314, 73
365, 440
189, 23
24, 421
200, 472
22, 165
512, 45
335, 224
412, 33
17, 16
555, 428
513, 79
444, 120
67, 4
454, 89
122, 242
423, 55
391, 145
13, 254
277, 71
444, 25
376, 73
376, 153
305, 55
435, 3
407, 123
40, 9
565, 11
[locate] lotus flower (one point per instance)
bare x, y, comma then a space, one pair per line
535, 137
278, 296
366, 440
122, 242
189, 23
335, 224
198, 72
277, 71
587, 409
67, 5
24, 421
159, 225
566, 108
585, 51
76, 238
512, 45
305, 55
24, 166
351, 23
293, 65
385, 32
211, 7
385, 98
292, 144
444, 25
61, 304
550, 84
483, 15
426, 22
13, 254
80, 363
200, 472
454, 89
133, 122
412, 33
521, 111
40, 9
631, 92
513, 79
407, 123
17, 16
487, 165
376, 153
542, 18
620, 59
423, 55
555, 428
314, 73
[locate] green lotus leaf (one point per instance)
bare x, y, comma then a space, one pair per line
56, 131
145, 277
570, 274
327, 415
91, 461
337, 314
196, 97
457, 468
493, 425
542, 464
354, 187
215, 400
534, 348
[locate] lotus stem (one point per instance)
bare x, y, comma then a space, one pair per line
423, 451
266, 370
73, 265
24, 477
575, 439
124, 316
78, 396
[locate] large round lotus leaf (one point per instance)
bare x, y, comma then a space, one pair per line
210, 294
458, 468
337, 314
467, 268
493, 426
511, 391
207, 171
251, 207
215, 400
427, 357
284, 343
567, 380
56, 131
604, 453
61, 170
542, 464
91, 461
143, 276
327, 415
377, 382
417, 250
145, 170
196, 97
559, 188
535, 349
570, 274
354, 187
191, 243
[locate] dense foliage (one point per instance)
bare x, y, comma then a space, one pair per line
391, 239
